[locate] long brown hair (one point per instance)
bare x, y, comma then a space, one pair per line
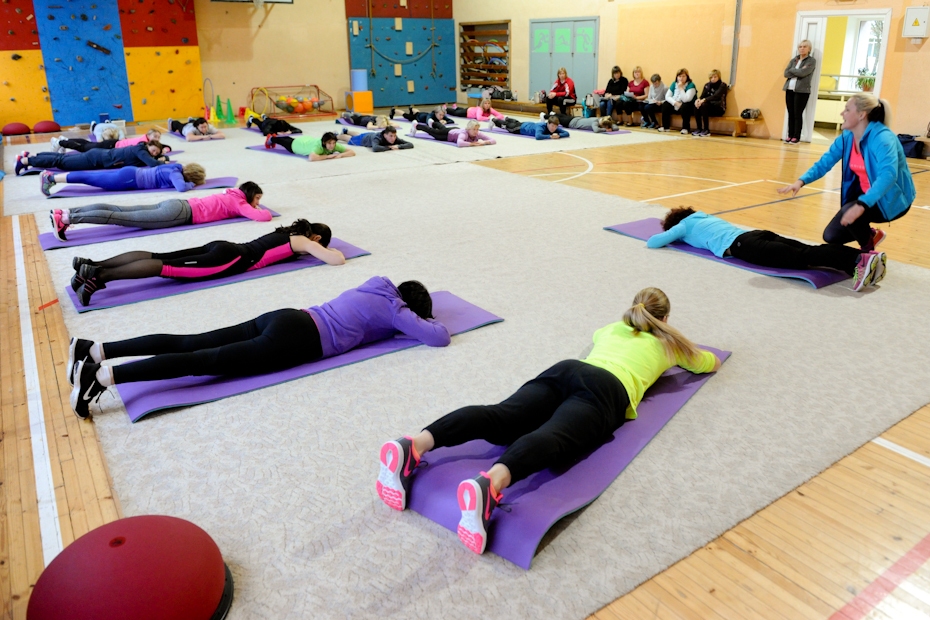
650, 307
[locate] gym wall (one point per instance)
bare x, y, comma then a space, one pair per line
133, 59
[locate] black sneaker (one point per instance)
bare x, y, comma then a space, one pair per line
248, 122
397, 466
91, 283
86, 389
77, 261
78, 351
476, 501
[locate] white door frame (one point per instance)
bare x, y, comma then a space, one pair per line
882, 14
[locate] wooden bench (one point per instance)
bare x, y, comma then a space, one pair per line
739, 123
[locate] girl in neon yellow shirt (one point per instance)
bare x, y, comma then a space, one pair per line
567, 411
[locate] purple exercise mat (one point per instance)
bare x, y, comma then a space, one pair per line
105, 232
275, 151
643, 229
123, 292
77, 192
533, 505
145, 397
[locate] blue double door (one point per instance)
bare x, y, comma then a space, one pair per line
569, 43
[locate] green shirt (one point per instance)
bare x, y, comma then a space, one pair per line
305, 145
637, 360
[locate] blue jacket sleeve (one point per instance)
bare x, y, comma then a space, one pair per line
884, 175
563, 133
428, 331
662, 239
541, 133
826, 162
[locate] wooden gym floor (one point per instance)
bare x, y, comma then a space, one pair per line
850, 543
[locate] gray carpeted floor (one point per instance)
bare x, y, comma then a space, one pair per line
283, 478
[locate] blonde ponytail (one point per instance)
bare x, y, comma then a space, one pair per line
649, 307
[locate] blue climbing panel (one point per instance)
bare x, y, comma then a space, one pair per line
431, 84
85, 63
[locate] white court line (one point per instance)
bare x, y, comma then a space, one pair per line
709, 189
650, 174
919, 458
828, 191
580, 174
49, 524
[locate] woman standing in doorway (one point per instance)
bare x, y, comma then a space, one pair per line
798, 89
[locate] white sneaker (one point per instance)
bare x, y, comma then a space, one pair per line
413, 129
542, 116
54, 143
662, 129
491, 124
684, 132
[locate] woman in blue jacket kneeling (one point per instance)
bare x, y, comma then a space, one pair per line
877, 184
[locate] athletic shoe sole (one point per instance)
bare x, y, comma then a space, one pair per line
389, 486
879, 272
71, 361
471, 526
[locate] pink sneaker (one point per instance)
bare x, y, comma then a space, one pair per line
58, 227
865, 270
477, 500
398, 463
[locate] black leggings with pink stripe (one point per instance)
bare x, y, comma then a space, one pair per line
217, 259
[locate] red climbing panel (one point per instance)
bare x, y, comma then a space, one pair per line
157, 23
442, 9
18, 17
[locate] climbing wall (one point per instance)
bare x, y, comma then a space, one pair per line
24, 94
408, 48
84, 63
72, 60
162, 57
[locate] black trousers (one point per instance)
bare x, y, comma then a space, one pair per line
82, 146
649, 113
860, 230
510, 124
795, 102
285, 141
90, 160
176, 126
686, 110
765, 248
630, 106
562, 102
274, 341
275, 125
702, 115
461, 111
553, 420
361, 120
438, 131
201, 263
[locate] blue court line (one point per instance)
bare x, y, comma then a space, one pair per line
772, 202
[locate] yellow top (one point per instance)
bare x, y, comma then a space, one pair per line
637, 360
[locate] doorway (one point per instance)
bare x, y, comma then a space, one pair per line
569, 43
849, 47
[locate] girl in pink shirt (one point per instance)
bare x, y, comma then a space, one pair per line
481, 112
232, 203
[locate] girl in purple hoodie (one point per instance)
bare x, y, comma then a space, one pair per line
274, 341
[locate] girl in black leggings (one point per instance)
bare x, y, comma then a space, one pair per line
271, 125
217, 259
553, 420
269, 343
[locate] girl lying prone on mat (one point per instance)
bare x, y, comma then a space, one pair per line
242, 202
597, 125
765, 248
110, 141
195, 129
217, 259
142, 154
169, 176
367, 121
553, 420
470, 136
274, 341
316, 149
377, 141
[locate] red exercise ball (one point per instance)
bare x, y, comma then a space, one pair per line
144, 568
16, 129
46, 127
